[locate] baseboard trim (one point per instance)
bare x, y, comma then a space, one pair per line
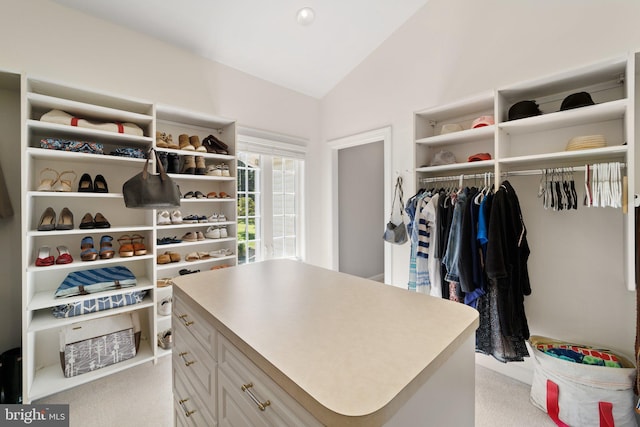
377, 278
521, 371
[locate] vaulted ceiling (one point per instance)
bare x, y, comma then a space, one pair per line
263, 37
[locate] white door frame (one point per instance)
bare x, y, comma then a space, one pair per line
376, 135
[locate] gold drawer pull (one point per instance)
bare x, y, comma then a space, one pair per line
261, 405
186, 362
186, 322
184, 408
183, 317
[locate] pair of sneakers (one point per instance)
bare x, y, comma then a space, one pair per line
218, 170
217, 217
215, 232
166, 218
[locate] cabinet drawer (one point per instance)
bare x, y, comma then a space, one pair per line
191, 360
234, 409
203, 332
243, 384
191, 408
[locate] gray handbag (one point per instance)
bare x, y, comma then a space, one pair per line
396, 233
151, 191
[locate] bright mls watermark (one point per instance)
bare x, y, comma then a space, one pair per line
34, 415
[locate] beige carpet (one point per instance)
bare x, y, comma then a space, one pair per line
141, 397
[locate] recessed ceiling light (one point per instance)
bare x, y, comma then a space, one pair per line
305, 16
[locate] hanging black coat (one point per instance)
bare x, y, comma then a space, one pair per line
506, 262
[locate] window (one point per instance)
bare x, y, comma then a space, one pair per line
249, 227
270, 201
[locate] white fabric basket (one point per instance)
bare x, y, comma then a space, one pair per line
580, 395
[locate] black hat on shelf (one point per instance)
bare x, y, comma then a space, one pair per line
523, 109
576, 100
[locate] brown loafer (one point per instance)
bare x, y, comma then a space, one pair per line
87, 221
100, 221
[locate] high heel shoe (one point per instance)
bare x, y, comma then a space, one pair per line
47, 220
106, 248
45, 258
86, 184
65, 220
138, 246
46, 182
126, 247
64, 184
88, 252
64, 257
100, 184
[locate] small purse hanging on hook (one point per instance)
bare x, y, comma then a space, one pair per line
396, 234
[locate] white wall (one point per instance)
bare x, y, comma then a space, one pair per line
452, 49
47, 40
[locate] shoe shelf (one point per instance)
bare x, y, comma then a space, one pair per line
43, 373
59, 155
210, 200
213, 156
189, 265
93, 264
194, 224
175, 122
163, 321
181, 176
72, 194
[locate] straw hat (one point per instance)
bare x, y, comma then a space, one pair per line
586, 142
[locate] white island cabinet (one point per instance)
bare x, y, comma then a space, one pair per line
284, 343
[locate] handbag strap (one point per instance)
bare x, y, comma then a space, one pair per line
145, 173
398, 189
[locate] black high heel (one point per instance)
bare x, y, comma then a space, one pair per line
86, 184
100, 184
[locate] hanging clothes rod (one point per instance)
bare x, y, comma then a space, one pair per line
529, 172
542, 171
456, 177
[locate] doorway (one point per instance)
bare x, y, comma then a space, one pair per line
361, 173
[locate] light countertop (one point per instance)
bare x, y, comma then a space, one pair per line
346, 348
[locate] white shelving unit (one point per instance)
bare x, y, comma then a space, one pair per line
539, 142
174, 121
42, 373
